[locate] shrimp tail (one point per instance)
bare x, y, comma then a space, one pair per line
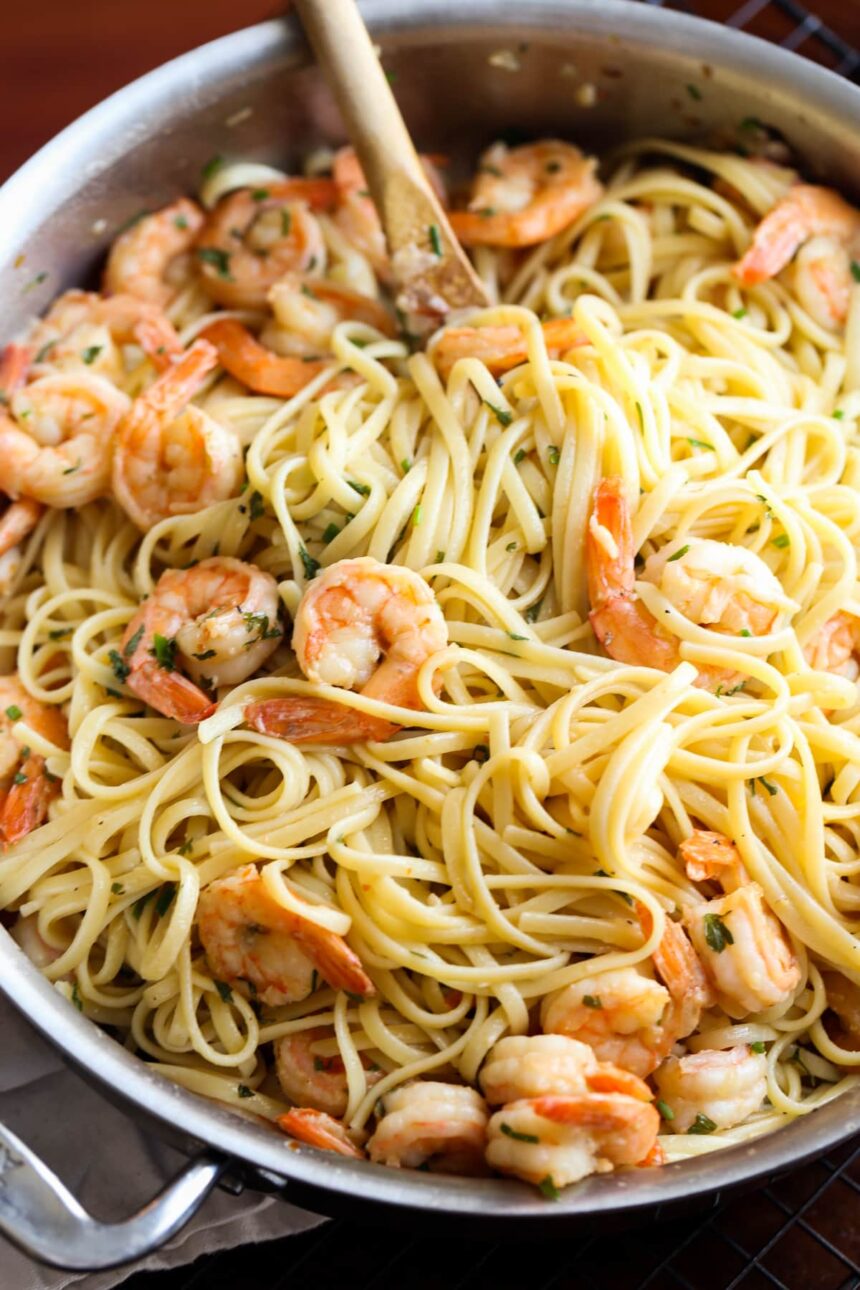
654, 1159
18, 521
14, 366
170, 693
306, 719
610, 573
319, 1130
774, 242
337, 963
25, 806
263, 371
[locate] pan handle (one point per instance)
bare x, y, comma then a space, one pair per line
42, 1217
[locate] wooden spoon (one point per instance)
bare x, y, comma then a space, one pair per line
432, 274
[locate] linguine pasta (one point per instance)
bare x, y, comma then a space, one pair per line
497, 849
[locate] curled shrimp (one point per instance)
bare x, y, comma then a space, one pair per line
724, 1087
441, 1125
525, 195
624, 1015
16, 523
259, 946
558, 1140
836, 648
56, 438
843, 997
26, 788
83, 331
151, 260
172, 458
828, 229
353, 613
310, 1080
318, 1129
254, 236
715, 584
306, 317
741, 944
501, 348
526, 1066
218, 620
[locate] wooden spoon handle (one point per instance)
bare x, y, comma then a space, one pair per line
345, 51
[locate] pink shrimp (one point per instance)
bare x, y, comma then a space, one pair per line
319, 1130
26, 788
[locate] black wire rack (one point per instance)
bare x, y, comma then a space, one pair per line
798, 1232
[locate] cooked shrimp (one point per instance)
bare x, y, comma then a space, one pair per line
26, 787
715, 584
263, 948
218, 620
172, 458
742, 946
56, 438
254, 236
306, 317
526, 1066
556, 1141
319, 1130
442, 1125
18, 521
836, 648
83, 331
356, 214
830, 230
712, 855
723, 1087
354, 612
501, 348
310, 1080
525, 195
624, 1015
151, 259
843, 996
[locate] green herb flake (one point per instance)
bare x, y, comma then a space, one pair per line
363, 489
512, 546
44, 352
70, 470
19, 777
838, 414
518, 1137
207, 653
531, 614
518, 456
132, 643
259, 194
91, 353
76, 998
212, 165
330, 533
223, 990
417, 516
440, 556
694, 93
745, 631
515, 637
187, 847
117, 889
140, 905
257, 506
700, 443
286, 221
503, 417
220, 260
682, 551
717, 934
354, 998
771, 788
180, 222
548, 1189
757, 1047
640, 414
310, 565
665, 1110
592, 1001
166, 897
164, 651
244, 1091
782, 541
554, 456
35, 282
435, 240
739, 313
120, 668
13, 712
702, 1124
855, 270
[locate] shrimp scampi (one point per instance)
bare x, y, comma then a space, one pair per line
26, 785
715, 1087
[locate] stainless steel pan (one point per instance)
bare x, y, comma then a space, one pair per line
597, 71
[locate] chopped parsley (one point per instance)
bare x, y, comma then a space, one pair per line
745, 631
70, 470
187, 847
694, 92
117, 889
363, 489
259, 194
224, 990
515, 637
665, 1110
44, 352
286, 221
132, 643
19, 777
512, 546
140, 905
548, 1189
310, 565
406, 465
702, 1124
220, 260
838, 414
739, 313
417, 516
120, 668
91, 353
700, 443
164, 651
502, 415
180, 222
771, 788
435, 239
641, 415
212, 165
518, 1137
757, 1047
330, 533
13, 712
717, 934
855, 270
782, 541
244, 1091
518, 456
677, 555
355, 998
207, 653
166, 897
592, 1001
553, 456
532, 612
76, 998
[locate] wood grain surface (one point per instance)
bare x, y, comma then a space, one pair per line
60, 57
